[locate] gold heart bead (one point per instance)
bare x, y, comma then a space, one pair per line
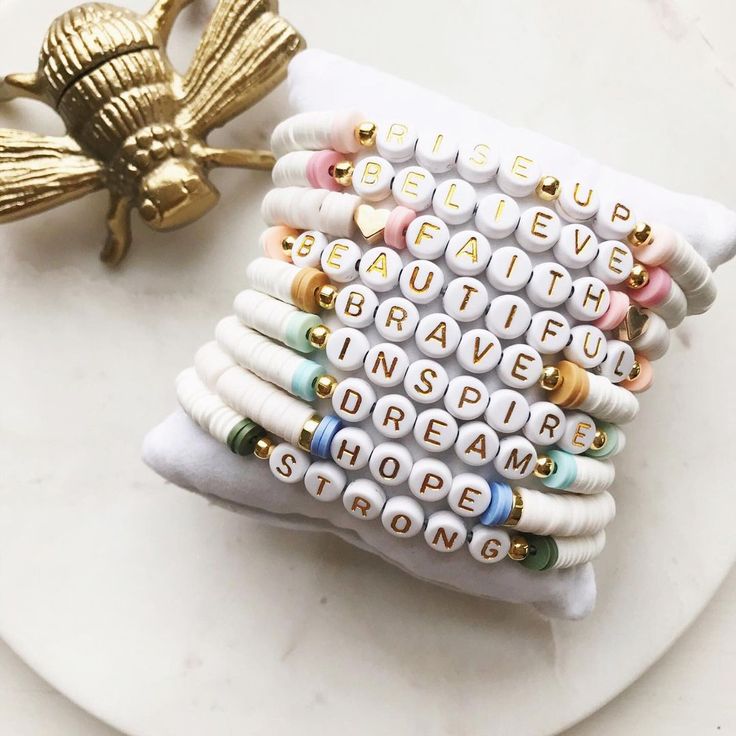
634, 325
371, 222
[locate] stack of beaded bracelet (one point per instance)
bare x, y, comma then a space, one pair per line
534, 309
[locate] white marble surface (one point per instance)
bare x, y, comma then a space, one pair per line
164, 615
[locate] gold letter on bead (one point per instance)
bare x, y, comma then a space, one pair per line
521, 166
411, 181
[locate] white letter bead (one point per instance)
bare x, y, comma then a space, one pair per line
516, 458
577, 246
510, 269
579, 433
497, 216
435, 430
445, 532
436, 151
397, 319
479, 351
470, 495
394, 416
589, 300
325, 481
518, 175
546, 423
468, 253
372, 178
548, 333
339, 260
587, 346
307, 249
390, 463
288, 463
550, 285
430, 479
386, 364
618, 362
364, 499
353, 399
395, 141
614, 219
509, 316
489, 545
520, 367
426, 381
465, 299
454, 201
380, 268
466, 397
578, 202
356, 306
421, 281
437, 335
538, 230
427, 237
413, 187
613, 263
351, 448
508, 411
477, 162
477, 444
347, 348
403, 516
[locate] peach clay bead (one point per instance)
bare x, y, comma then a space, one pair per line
320, 168
615, 313
656, 289
644, 380
394, 234
272, 241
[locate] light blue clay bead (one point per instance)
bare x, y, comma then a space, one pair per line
502, 499
297, 328
565, 470
323, 436
302, 383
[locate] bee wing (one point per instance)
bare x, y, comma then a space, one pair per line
38, 172
241, 57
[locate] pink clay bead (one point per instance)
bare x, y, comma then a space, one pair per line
644, 380
657, 288
615, 313
664, 242
343, 131
319, 170
271, 240
394, 234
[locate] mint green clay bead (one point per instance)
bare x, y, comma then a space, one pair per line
297, 330
613, 434
305, 378
565, 470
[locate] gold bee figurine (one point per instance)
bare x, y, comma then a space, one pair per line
134, 125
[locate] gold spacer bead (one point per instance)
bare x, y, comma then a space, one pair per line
342, 173
517, 509
519, 549
545, 466
641, 235
307, 434
366, 133
264, 447
600, 439
551, 378
327, 296
287, 244
548, 188
325, 386
639, 277
318, 336
635, 371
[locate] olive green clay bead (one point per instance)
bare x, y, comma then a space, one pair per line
244, 436
542, 553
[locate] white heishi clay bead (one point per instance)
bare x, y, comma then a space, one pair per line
430, 479
427, 237
395, 141
497, 216
468, 253
518, 175
394, 416
477, 162
291, 169
445, 532
489, 545
336, 213
288, 463
577, 246
577, 201
508, 411
437, 335
353, 399
613, 263
579, 433
655, 341
435, 430
618, 362
510, 269
589, 300
520, 367
372, 178
380, 268
587, 346
390, 463
546, 423
364, 499
454, 201
476, 444
614, 220
436, 151
538, 230
386, 364
397, 319
608, 402
465, 299
550, 285
564, 513
347, 348
548, 333
325, 481
339, 260
421, 281
426, 381
307, 249
516, 458
673, 309
403, 516
470, 495
356, 306
508, 317
466, 397
351, 448
413, 187
578, 550
479, 351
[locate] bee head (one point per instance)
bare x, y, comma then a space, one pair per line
175, 193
